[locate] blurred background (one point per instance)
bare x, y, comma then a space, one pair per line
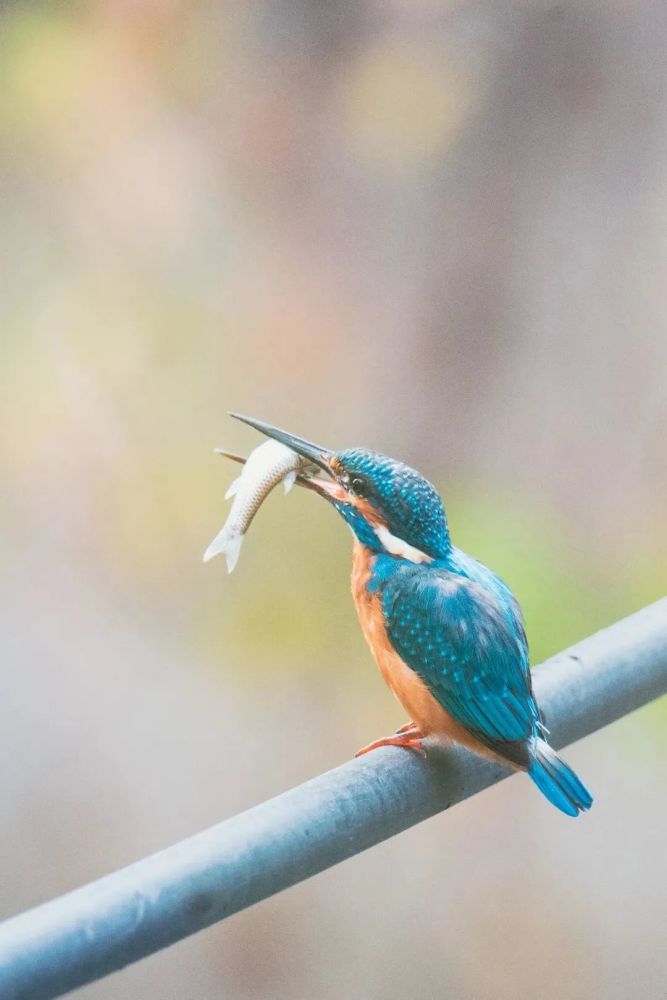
435, 229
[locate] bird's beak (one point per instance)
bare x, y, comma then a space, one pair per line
322, 458
314, 453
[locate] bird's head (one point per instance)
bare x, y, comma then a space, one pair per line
389, 506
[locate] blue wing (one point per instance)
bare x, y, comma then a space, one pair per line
468, 646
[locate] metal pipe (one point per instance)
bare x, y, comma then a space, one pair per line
108, 924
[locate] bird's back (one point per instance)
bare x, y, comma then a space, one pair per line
458, 629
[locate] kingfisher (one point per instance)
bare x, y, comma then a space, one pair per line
446, 633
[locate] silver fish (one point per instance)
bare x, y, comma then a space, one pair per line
264, 468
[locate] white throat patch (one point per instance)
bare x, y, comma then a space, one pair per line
397, 547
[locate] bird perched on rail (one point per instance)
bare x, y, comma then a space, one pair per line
446, 632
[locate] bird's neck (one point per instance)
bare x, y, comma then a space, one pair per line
372, 569
362, 529
373, 534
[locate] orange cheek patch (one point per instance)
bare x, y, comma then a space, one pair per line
367, 511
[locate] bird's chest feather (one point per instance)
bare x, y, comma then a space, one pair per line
406, 685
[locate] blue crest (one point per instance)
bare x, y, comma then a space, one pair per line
409, 504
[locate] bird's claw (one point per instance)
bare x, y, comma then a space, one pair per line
408, 736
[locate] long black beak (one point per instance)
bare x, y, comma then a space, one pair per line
319, 456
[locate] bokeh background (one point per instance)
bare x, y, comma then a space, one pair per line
432, 228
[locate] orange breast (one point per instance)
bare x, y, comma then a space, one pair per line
422, 707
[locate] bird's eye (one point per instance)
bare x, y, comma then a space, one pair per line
358, 485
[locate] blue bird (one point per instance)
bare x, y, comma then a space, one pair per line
447, 634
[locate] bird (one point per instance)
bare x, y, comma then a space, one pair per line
445, 631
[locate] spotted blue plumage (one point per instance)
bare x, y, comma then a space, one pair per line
459, 639
452, 621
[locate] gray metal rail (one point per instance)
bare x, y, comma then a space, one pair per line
119, 919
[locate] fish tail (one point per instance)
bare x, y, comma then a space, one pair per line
228, 543
556, 779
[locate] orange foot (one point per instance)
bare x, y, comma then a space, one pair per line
407, 736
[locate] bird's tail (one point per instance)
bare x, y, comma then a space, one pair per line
556, 780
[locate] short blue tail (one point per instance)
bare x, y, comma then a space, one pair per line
556, 780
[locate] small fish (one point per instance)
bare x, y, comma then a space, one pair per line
264, 468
